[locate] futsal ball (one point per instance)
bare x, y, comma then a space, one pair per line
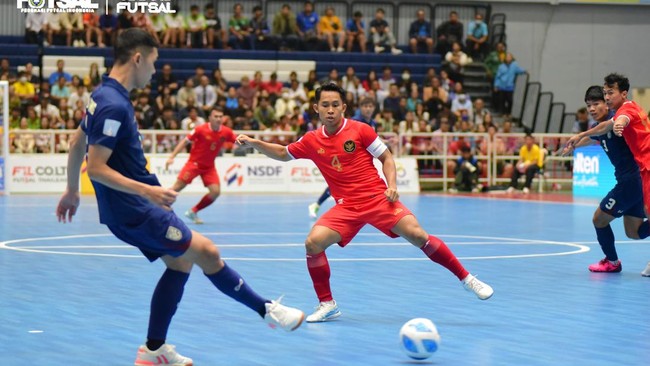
419, 338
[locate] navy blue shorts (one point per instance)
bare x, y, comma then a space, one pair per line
159, 233
626, 198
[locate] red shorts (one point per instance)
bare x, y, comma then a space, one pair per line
191, 170
645, 181
348, 219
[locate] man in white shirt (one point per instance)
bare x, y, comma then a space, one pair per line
206, 94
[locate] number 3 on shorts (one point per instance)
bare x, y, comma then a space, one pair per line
610, 203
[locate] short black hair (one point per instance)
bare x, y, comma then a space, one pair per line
621, 81
357, 14
465, 149
330, 87
594, 94
217, 108
209, 6
256, 8
131, 41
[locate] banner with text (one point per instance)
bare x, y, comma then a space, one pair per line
593, 173
36, 173
2, 173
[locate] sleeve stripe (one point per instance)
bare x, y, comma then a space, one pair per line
289, 152
377, 148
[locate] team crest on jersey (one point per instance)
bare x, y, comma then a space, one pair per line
91, 106
349, 146
321, 151
173, 234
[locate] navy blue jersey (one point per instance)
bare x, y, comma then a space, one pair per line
110, 122
359, 117
619, 154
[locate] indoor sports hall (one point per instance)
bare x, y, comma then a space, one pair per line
73, 293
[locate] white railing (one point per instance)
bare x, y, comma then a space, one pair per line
433, 149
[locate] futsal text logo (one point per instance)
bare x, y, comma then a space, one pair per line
150, 7
57, 6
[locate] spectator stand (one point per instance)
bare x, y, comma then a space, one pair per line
556, 116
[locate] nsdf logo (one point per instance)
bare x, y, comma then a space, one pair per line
234, 175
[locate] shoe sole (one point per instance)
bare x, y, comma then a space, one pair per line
331, 317
645, 274
486, 298
302, 317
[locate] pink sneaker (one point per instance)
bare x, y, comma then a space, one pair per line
604, 265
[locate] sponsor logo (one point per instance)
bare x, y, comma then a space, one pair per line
151, 7
585, 164
173, 234
397, 211
349, 146
111, 127
57, 6
38, 174
264, 171
234, 175
241, 283
583, 181
321, 151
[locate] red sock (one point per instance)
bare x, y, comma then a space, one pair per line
440, 253
319, 270
203, 203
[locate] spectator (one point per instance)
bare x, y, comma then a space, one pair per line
531, 160
481, 113
45, 108
333, 77
406, 83
60, 91
206, 95
55, 28
24, 90
14, 118
504, 83
74, 24
91, 26
186, 92
166, 100
413, 100
232, 102
332, 30
124, 21
284, 105
477, 36
494, 59
193, 120
24, 143
196, 26
29, 74
35, 25
33, 122
466, 172
273, 87
583, 121
157, 26
54, 77
356, 32
264, 113
176, 27
308, 24
261, 38
239, 29
219, 82
80, 95
462, 108
382, 36
312, 82
286, 28
247, 93
420, 33
296, 92
199, 71
449, 32
455, 63
166, 78
434, 105
216, 35
391, 103
93, 78
108, 26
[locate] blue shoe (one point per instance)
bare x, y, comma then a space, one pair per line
325, 311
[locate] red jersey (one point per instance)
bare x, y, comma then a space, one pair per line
207, 143
344, 159
637, 133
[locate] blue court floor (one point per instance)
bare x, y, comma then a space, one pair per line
74, 295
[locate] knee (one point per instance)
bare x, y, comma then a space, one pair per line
600, 221
312, 246
632, 233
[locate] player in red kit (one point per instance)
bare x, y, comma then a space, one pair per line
207, 141
343, 150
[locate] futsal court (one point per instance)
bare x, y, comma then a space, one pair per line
74, 295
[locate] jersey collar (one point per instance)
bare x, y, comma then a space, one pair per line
345, 122
109, 81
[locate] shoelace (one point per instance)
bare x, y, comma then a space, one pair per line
475, 284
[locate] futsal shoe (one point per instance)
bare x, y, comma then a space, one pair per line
646, 271
481, 289
326, 310
283, 316
313, 210
604, 265
165, 355
193, 217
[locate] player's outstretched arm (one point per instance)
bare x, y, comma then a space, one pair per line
69, 202
575, 142
620, 124
100, 172
273, 151
600, 129
390, 172
179, 147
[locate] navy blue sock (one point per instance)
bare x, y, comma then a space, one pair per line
228, 281
324, 196
644, 230
606, 240
165, 299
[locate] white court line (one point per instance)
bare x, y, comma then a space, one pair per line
508, 241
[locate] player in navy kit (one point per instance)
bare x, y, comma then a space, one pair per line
364, 114
626, 198
134, 206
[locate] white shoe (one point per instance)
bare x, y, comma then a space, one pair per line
481, 289
396, 51
526, 190
475, 190
340, 49
193, 217
313, 210
379, 49
333, 49
646, 271
325, 311
283, 316
510, 190
75, 43
165, 355
452, 190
